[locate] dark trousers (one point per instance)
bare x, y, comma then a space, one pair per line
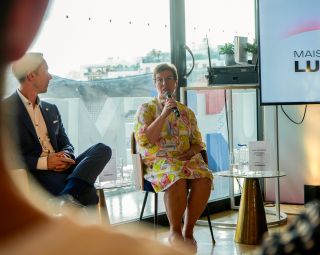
89, 165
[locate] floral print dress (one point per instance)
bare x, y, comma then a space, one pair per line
177, 135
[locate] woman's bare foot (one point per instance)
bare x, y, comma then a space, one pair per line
191, 242
175, 239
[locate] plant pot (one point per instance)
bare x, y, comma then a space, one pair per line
229, 60
254, 59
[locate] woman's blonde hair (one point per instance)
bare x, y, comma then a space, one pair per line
163, 67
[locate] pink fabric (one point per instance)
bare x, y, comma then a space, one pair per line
214, 100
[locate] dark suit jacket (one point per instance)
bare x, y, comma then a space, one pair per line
27, 139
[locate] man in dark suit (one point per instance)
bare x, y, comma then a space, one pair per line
44, 145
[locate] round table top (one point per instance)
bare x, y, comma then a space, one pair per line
112, 184
236, 173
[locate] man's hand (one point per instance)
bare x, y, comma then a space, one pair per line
59, 161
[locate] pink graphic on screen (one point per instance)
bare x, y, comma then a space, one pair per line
306, 26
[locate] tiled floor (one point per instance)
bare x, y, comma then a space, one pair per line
127, 208
224, 245
124, 204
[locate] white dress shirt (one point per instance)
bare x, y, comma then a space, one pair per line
41, 130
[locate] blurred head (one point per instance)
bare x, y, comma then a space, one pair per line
32, 71
19, 23
165, 77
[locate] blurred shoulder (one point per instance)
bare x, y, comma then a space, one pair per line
49, 107
152, 102
148, 105
184, 107
11, 98
47, 104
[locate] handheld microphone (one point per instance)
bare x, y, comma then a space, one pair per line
168, 94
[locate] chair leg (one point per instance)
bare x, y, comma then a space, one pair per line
155, 209
143, 205
209, 222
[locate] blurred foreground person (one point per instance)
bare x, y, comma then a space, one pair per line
25, 229
300, 237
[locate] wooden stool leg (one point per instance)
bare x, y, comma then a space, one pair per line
102, 208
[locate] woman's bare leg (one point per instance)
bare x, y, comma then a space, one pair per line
175, 199
197, 200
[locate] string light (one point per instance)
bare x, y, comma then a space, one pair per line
130, 22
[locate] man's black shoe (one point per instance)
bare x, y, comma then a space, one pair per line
69, 200
60, 205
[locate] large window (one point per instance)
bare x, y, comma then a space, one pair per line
101, 54
220, 22
98, 39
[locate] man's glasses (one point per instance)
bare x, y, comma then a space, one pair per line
160, 80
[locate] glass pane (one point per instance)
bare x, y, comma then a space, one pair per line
244, 128
220, 21
100, 39
211, 106
101, 54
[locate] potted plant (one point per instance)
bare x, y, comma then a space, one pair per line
228, 50
253, 49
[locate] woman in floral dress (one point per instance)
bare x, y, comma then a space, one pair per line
170, 146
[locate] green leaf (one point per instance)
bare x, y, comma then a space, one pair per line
228, 48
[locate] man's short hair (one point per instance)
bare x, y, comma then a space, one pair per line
27, 64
